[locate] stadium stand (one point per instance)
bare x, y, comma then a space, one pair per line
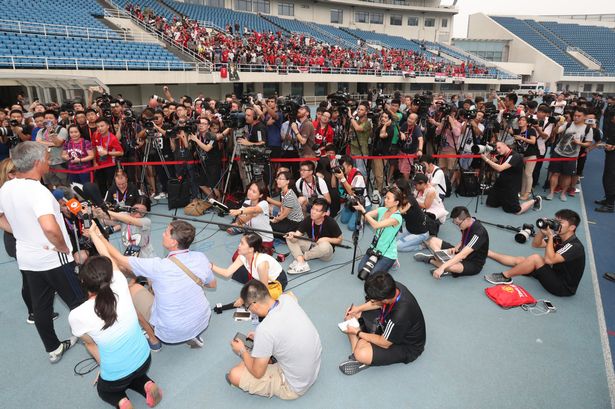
84, 13
153, 5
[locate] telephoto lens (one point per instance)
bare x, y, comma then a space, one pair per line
550, 223
524, 233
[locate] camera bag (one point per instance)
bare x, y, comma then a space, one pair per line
468, 185
509, 295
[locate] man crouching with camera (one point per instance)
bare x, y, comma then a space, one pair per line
561, 268
391, 326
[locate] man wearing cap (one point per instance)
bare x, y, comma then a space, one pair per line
304, 130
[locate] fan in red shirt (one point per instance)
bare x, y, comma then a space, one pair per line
107, 148
323, 132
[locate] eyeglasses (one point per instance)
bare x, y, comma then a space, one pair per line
305, 170
458, 223
247, 307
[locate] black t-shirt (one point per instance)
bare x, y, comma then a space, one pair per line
477, 238
415, 218
411, 144
382, 146
115, 196
86, 132
404, 323
571, 270
215, 154
524, 148
328, 228
257, 132
510, 179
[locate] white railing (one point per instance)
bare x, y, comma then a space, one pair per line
121, 13
29, 27
335, 70
36, 62
584, 54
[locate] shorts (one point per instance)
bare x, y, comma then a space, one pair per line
566, 168
507, 199
470, 267
551, 281
405, 165
395, 354
272, 383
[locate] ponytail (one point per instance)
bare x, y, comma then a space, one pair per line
96, 275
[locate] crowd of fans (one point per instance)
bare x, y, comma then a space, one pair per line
291, 203
276, 50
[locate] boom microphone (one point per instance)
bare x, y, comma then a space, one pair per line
91, 193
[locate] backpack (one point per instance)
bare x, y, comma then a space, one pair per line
447, 182
468, 185
315, 181
509, 295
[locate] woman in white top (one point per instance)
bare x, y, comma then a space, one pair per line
108, 325
252, 263
428, 199
255, 214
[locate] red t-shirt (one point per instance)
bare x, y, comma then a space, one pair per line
110, 143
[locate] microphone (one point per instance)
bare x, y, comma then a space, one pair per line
74, 206
91, 193
219, 205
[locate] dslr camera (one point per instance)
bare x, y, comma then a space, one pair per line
524, 233
550, 223
373, 257
480, 149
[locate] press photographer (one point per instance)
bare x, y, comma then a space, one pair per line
53, 137
304, 132
505, 192
391, 326
386, 220
411, 143
560, 270
362, 127
607, 205
436, 176
208, 140
526, 145
351, 186
17, 131
544, 130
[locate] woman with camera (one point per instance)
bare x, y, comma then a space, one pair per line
387, 222
136, 228
108, 326
252, 263
290, 214
255, 214
526, 145
78, 154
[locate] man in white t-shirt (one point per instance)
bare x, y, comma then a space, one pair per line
44, 251
435, 175
286, 334
310, 186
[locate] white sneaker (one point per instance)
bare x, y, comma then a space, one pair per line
55, 356
293, 265
300, 268
160, 195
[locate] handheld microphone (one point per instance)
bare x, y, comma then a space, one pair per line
219, 205
91, 193
74, 206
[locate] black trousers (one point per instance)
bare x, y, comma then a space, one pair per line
285, 226
43, 286
113, 392
608, 177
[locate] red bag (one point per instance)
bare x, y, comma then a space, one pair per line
509, 295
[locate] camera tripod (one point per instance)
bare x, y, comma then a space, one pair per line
149, 141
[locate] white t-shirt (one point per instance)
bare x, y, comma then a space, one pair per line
437, 205
437, 180
23, 201
122, 346
288, 334
542, 147
559, 106
564, 146
274, 267
261, 220
308, 189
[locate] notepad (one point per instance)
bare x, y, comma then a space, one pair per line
353, 322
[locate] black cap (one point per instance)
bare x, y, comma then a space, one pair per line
420, 178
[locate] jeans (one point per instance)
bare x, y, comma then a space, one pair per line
349, 217
410, 242
383, 265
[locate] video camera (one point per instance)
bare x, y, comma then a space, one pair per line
256, 155
104, 103
188, 126
424, 101
509, 116
289, 105
342, 101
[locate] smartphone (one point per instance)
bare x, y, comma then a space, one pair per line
242, 315
550, 306
249, 343
590, 121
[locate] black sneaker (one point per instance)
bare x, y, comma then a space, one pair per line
352, 367
55, 356
537, 203
30, 319
605, 209
423, 257
498, 278
602, 202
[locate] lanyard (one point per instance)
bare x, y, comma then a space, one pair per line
275, 304
177, 252
128, 235
117, 199
466, 235
316, 237
503, 159
384, 314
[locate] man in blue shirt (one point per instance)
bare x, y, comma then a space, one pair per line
179, 311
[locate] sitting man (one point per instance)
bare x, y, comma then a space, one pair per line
181, 311
286, 334
392, 327
560, 269
468, 256
505, 192
322, 229
436, 176
310, 186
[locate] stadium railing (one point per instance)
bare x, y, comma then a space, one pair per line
29, 27
105, 64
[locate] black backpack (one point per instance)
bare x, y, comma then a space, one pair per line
447, 182
468, 185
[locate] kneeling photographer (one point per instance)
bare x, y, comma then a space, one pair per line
560, 270
391, 326
505, 192
387, 220
352, 187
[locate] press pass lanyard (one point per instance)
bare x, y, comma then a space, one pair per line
504, 158
384, 314
314, 236
466, 235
